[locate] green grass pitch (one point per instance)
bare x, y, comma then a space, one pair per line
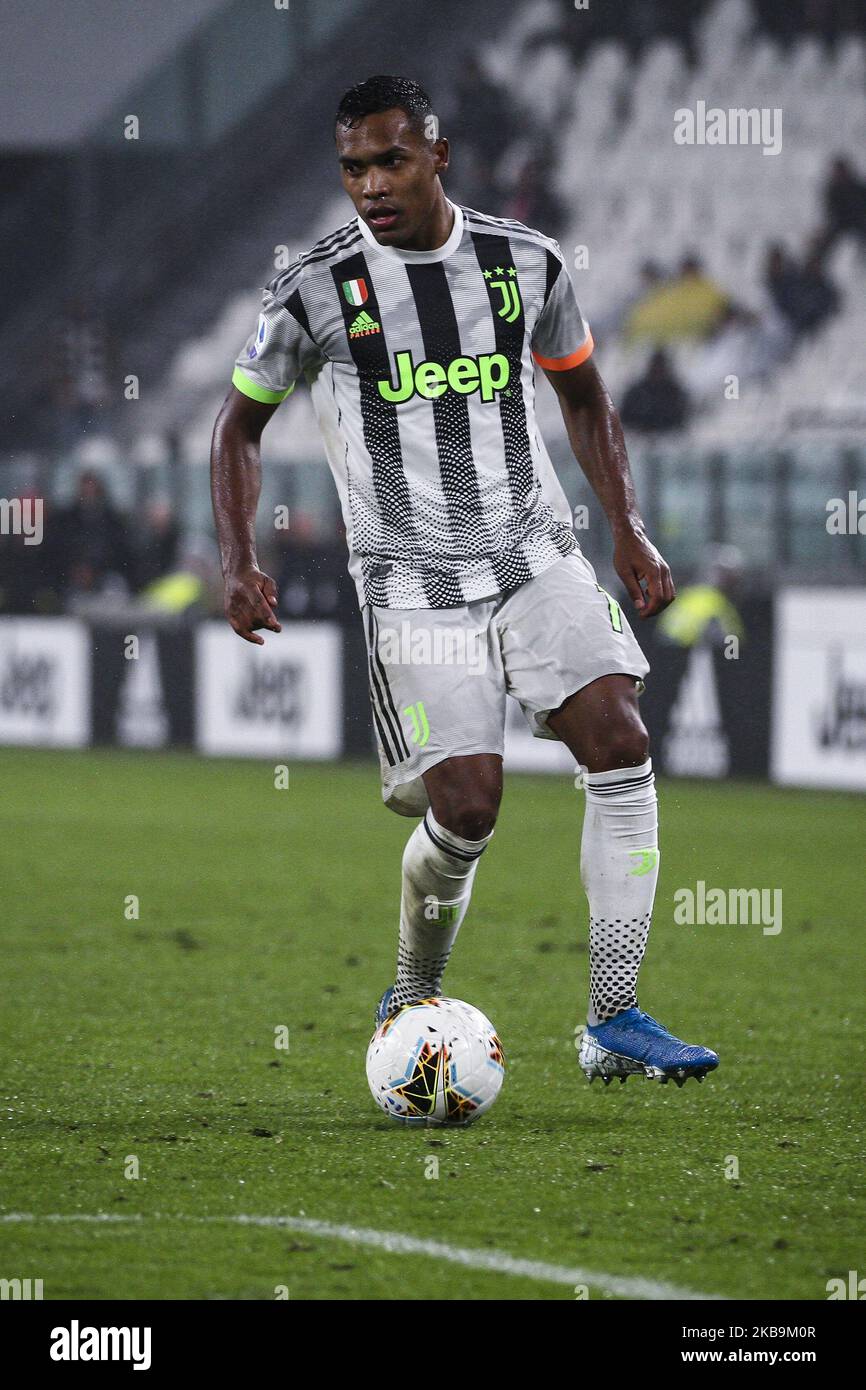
148, 1045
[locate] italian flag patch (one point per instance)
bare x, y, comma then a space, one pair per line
355, 291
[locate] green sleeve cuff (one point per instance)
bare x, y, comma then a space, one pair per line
258, 393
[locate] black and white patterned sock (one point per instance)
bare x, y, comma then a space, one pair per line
438, 872
619, 866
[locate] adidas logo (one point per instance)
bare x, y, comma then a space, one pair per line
363, 325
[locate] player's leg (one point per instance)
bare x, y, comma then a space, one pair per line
440, 726
619, 859
601, 724
619, 865
465, 793
573, 663
439, 864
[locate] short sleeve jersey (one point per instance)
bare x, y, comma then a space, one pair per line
422, 369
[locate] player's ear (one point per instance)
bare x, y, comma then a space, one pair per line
441, 155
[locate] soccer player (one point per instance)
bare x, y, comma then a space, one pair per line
418, 325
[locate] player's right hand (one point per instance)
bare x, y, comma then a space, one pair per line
250, 600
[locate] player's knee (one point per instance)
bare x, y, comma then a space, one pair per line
623, 742
477, 821
474, 822
471, 815
465, 793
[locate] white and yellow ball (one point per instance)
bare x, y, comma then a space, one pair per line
437, 1062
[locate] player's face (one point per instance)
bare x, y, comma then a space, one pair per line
389, 170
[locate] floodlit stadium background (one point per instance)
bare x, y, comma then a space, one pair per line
151, 197
193, 855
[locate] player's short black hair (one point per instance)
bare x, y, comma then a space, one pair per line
383, 93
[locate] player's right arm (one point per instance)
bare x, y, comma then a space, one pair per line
236, 480
265, 373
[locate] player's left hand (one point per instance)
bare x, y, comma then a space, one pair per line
644, 573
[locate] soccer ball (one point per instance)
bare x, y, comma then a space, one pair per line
437, 1062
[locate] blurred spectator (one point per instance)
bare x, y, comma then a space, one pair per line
690, 305
656, 401
28, 581
745, 344
803, 294
192, 588
781, 278
312, 580
844, 204
91, 544
819, 296
704, 613
157, 544
614, 316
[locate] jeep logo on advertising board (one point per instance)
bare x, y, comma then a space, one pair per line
272, 694
27, 685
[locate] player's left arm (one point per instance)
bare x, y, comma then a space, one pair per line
595, 434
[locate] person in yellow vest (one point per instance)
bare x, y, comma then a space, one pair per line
688, 306
704, 612
173, 593
190, 586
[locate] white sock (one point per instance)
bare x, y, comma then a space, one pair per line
438, 872
619, 867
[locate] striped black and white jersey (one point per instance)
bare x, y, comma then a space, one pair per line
421, 366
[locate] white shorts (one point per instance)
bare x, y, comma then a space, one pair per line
439, 677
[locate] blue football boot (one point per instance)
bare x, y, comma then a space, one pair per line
633, 1044
383, 1008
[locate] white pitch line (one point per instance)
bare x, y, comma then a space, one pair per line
395, 1243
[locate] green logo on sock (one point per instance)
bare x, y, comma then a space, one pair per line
647, 861
434, 911
448, 913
